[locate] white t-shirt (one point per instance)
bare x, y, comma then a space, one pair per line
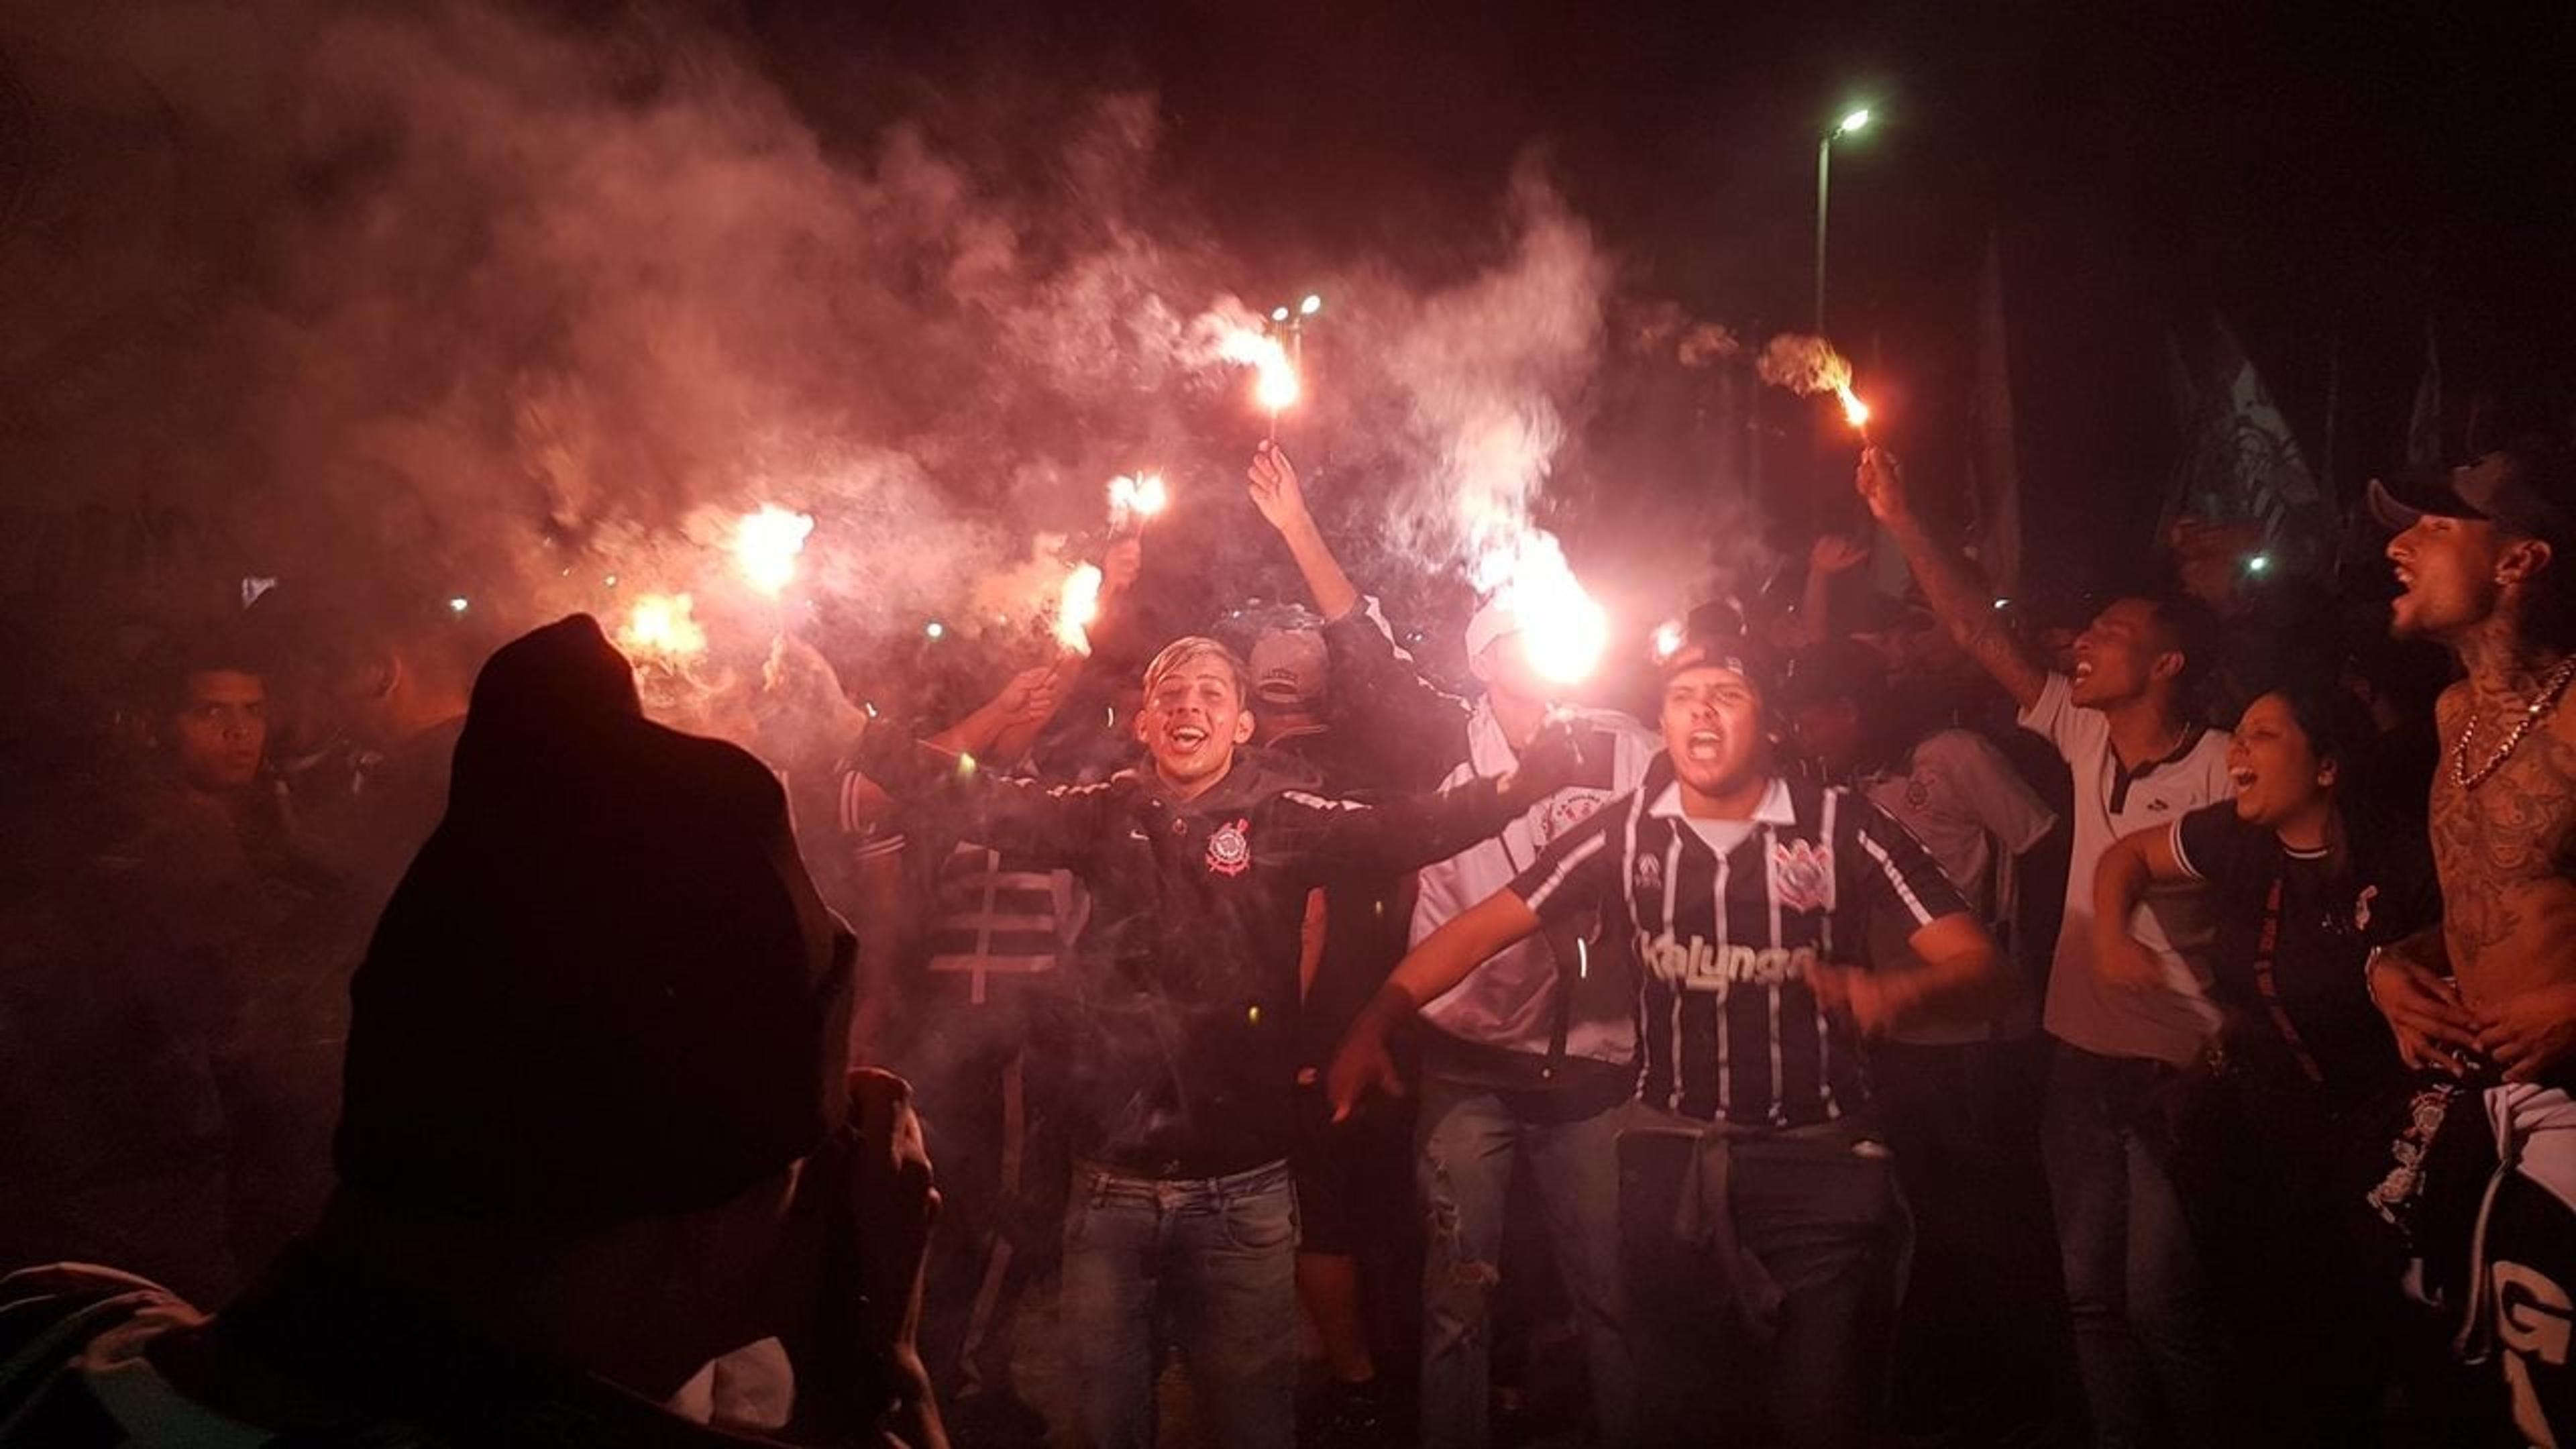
1961, 798
2170, 1021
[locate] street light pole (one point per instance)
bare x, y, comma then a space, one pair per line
1824, 181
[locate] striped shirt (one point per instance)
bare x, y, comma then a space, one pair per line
1728, 917
998, 915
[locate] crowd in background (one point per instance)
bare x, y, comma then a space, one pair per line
1939, 1018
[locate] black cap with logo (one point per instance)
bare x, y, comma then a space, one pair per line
2524, 489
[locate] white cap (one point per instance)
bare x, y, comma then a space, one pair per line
1492, 622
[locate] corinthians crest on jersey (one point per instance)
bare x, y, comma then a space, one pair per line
1229, 850
1731, 920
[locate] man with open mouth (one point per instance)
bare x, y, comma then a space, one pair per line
2144, 1341
2485, 558
1750, 1154
1177, 1029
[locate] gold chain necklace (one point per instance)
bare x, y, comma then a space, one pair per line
2550, 690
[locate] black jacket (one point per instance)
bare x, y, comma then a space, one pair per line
1177, 1027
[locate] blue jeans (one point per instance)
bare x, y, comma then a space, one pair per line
1466, 1140
2146, 1336
1211, 1259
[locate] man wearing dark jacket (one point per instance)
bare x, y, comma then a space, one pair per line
598, 1130
1178, 1027
1523, 1063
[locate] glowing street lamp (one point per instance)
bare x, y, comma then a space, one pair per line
1852, 123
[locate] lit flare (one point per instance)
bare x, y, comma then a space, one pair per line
1133, 500
1668, 640
766, 544
1079, 609
1563, 631
661, 630
1274, 383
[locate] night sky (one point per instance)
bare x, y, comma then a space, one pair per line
247, 262
2329, 184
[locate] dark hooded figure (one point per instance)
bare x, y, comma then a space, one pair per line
596, 1133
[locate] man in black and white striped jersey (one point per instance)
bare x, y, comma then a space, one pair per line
1750, 1149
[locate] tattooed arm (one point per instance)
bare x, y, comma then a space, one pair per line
1958, 595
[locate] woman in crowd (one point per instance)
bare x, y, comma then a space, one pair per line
2277, 1131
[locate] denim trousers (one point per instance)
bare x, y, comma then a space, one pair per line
1466, 1140
2147, 1339
1764, 1265
1208, 1262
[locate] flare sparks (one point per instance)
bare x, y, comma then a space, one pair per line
1134, 500
661, 630
1563, 630
1079, 609
766, 544
1275, 384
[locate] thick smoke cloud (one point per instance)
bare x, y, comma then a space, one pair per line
463, 300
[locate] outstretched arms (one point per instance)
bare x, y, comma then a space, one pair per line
1957, 594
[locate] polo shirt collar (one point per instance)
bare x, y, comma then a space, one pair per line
1775, 808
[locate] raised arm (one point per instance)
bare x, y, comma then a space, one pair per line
1282, 502
1024, 704
1829, 558
1054, 825
1952, 584
1445, 958
1415, 830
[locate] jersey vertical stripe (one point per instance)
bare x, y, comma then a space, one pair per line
1727, 942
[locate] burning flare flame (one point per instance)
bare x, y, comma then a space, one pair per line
660, 630
766, 544
1079, 610
1137, 499
1274, 384
1563, 631
1668, 640
1810, 365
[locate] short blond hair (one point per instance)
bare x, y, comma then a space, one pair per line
1192, 649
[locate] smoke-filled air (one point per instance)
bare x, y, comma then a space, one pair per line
465, 305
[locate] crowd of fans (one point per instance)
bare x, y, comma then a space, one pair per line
1922, 1021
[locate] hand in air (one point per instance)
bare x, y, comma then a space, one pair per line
1274, 487
1881, 484
1835, 554
1031, 695
1120, 565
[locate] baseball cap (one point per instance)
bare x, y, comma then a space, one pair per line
1723, 650
605, 988
2523, 488
1289, 667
